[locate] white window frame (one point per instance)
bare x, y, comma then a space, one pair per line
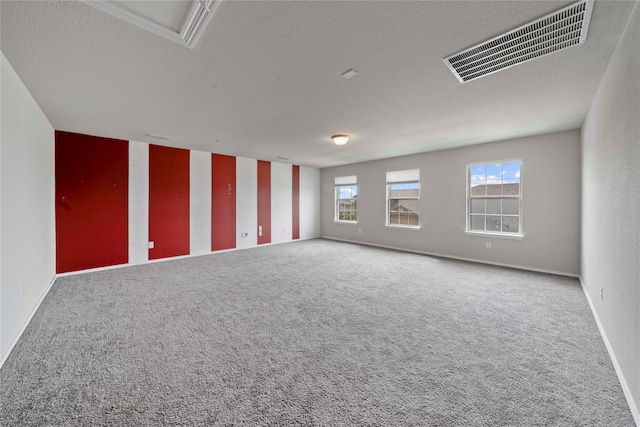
500, 234
408, 176
344, 181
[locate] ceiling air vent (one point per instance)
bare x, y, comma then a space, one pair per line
558, 30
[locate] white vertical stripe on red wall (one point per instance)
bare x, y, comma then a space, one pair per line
138, 202
309, 203
200, 202
281, 196
246, 202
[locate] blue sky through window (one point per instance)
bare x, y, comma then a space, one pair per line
497, 173
405, 186
347, 191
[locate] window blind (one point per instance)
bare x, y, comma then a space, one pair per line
409, 175
346, 180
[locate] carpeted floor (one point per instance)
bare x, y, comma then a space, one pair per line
312, 333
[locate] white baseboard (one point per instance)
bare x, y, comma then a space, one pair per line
26, 323
153, 261
623, 382
479, 261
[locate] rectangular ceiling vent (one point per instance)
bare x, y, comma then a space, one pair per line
558, 30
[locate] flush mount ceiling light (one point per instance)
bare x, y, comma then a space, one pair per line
180, 21
553, 32
340, 139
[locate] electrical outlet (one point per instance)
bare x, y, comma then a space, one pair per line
24, 289
151, 245
359, 230
601, 293
487, 245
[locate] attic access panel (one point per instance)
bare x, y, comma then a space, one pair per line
551, 33
181, 21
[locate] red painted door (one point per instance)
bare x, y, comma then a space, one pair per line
264, 202
295, 208
168, 201
92, 201
223, 202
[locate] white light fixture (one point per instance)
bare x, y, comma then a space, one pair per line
340, 139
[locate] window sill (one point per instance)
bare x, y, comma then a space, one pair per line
512, 236
346, 222
404, 227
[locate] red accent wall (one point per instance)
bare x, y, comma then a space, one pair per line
295, 180
223, 202
168, 201
92, 201
264, 201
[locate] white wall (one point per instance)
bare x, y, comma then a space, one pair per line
309, 203
611, 208
138, 202
246, 202
200, 202
27, 233
551, 204
281, 202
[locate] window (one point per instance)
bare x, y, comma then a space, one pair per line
346, 198
403, 198
494, 202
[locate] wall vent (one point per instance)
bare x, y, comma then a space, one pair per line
553, 32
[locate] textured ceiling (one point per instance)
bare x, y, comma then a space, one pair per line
264, 80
